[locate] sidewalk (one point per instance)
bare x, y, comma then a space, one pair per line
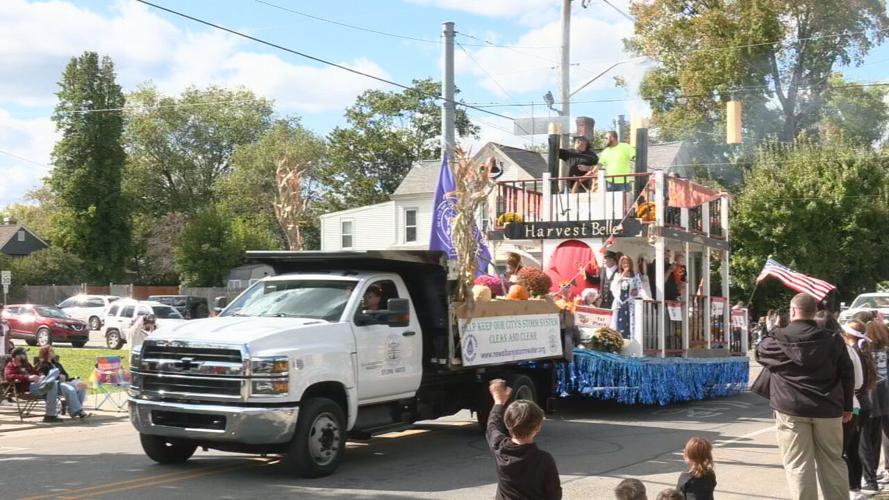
10, 422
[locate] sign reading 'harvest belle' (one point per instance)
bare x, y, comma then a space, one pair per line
570, 229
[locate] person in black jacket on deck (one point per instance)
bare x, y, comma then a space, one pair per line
581, 161
524, 471
809, 379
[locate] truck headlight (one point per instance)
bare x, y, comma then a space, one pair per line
271, 387
270, 366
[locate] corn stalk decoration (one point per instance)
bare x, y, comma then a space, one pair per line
473, 185
290, 204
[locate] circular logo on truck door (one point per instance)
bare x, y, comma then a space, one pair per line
470, 348
393, 349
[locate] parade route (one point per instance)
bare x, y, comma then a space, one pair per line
595, 445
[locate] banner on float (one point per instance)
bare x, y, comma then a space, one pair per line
502, 339
592, 317
717, 306
674, 310
739, 319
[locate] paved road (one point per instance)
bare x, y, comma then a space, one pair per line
595, 445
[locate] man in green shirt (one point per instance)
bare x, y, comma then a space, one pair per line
617, 159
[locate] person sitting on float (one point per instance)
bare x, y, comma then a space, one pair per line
588, 297
513, 266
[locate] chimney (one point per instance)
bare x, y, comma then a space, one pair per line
585, 127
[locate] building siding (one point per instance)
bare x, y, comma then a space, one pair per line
372, 228
14, 247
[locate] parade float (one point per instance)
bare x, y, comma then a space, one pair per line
684, 343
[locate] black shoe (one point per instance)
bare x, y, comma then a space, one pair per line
870, 489
51, 420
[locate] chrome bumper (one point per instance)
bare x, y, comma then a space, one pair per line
243, 424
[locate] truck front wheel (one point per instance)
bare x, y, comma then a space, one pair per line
166, 451
522, 388
319, 440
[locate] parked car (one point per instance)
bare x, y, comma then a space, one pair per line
867, 302
189, 306
44, 325
122, 314
89, 308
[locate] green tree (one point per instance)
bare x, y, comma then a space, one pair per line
708, 52
249, 191
387, 132
180, 146
206, 250
858, 115
154, 240
50, 266
89, 160
821, 210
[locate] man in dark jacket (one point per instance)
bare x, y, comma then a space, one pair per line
810, 387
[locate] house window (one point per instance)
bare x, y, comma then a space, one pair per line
21, 235
346, 234
483, 220
410, 225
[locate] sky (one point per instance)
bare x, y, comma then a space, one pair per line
508, 52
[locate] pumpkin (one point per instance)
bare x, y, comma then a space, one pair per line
517, 292
481, 293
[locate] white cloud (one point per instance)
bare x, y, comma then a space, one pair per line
31, 140
526, 11
38, 39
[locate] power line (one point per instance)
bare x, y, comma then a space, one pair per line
22, 158
371, 30
317, 59
484, 70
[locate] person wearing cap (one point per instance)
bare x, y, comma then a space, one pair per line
27, 380
581, 162
142, 328
617, 158
607, 272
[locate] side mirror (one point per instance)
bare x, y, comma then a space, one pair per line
219, 303
399, 313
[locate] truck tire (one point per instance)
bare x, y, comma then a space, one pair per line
166, 451
113, 339
522, 388
319, 440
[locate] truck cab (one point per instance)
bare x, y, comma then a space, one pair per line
330, 348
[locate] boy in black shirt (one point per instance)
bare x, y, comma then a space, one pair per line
523, 470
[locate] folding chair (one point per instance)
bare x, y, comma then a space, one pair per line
24, 402
109, 378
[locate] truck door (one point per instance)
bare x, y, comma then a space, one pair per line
389, 358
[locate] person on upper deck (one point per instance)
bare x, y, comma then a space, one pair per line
581, 161
617, 158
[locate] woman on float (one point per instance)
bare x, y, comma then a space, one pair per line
626, 286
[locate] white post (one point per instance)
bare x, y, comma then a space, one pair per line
603, 193
659, 273
724, 268
639, 318
547, 198
705, 270
565, 70
448, 138
660, 198
687, 294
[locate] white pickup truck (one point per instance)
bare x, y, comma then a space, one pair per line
302, 360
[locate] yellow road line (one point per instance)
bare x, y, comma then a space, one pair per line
139, 482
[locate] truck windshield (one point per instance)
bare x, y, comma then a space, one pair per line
315, 299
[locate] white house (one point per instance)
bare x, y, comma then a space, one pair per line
405, 222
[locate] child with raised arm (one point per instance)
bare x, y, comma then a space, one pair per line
524, 472
700, 480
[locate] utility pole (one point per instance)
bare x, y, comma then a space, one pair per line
448, 140
566, 79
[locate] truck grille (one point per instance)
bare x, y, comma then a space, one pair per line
179, 370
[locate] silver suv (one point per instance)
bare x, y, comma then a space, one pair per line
88, 308
122, 315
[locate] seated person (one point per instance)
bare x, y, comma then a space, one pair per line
73, 391
581, 161
27, 380
372, 298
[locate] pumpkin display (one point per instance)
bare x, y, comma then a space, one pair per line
481, 293
517, 292
492, 282
535, 281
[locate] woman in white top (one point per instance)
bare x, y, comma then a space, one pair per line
625, 287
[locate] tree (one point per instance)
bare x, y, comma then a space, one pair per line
50, 266
858, 115
821, 210
206, 250
708, 52
154, 240
387, 133
251, 189
180, 146
89, 160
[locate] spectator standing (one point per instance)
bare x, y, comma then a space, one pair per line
864, 382
143, 327
808, 378
876, 349
699, 482
524, 472
630, 489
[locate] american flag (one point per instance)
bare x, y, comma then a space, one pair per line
797, 281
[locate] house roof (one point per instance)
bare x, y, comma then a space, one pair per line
664, 155
8, 231
423, 177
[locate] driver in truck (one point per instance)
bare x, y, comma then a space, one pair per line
372, 298
523, 470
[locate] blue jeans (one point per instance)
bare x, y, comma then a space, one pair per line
73, 396
51, 396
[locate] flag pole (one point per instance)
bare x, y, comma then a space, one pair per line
750, 300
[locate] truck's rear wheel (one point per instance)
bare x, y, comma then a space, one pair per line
166, 451
319, 440
522, 388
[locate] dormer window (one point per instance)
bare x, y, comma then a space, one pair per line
21, 235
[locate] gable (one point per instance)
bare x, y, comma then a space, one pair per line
11, 244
